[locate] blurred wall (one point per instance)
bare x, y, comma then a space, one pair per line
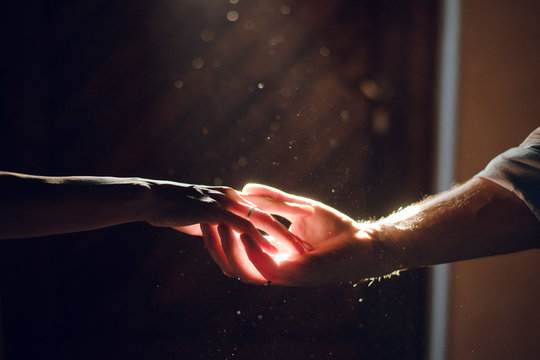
494, 302
316, 97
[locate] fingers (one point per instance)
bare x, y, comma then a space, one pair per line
223, 246
263, 220
194, 230
238, 208
284, 209
212, 242
306, 245
261, 260
275, 199
250, 263
268, 191
299, 270
234, 195
244, 226
237, 258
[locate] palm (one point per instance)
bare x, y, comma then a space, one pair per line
320, 228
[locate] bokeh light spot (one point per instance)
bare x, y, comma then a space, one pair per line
249, 25
207, 35
242, 161
233, 15
369, 88
381, 121
197, 63
324, 51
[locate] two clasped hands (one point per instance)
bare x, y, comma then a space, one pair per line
475, 219
321, 245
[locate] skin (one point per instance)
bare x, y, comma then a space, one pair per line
40, 205
476, 219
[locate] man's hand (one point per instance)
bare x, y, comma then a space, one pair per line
475, 219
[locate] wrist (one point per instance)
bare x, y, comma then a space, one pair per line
376, 250
147, 196
132, 197
401, 251
168, 203
389, 252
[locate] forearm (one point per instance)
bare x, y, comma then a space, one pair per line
476, 219
37, 205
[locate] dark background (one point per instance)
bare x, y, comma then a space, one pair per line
332, 100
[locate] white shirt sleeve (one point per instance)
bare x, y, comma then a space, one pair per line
518, 170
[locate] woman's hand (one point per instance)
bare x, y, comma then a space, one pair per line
43, 205
185, 206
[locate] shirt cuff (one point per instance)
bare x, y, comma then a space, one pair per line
518, 170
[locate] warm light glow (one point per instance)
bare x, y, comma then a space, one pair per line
403, 218
280, 257
284, 249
